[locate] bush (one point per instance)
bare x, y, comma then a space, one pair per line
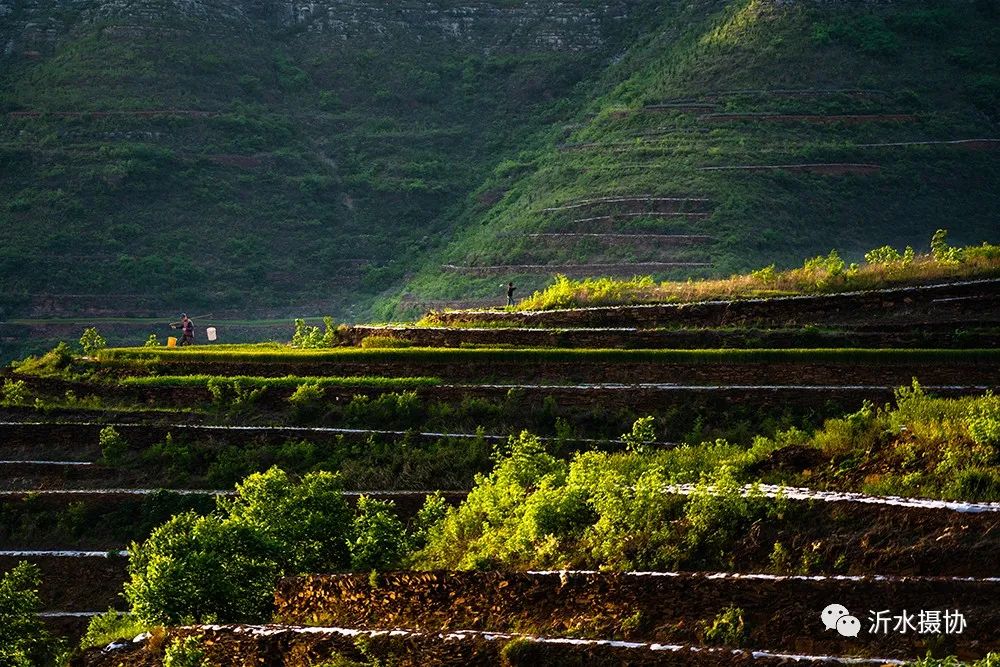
92, 342
152, 341
23, 639
202, 569
54, 362
380, 541
13, 392
186, 652
224, 566
309, 337
305, 336
726, 629
307, 401
113, 446
233, 396
641, 436
943, 252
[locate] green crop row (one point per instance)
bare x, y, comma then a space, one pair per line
535, 355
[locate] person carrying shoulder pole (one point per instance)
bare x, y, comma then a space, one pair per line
510, 293
187, 329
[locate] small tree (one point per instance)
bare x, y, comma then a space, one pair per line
642, 435
943, 252
91, 341
152, 341
23, 638
113, 445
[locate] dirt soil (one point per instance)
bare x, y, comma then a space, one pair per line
780, 615
77, 584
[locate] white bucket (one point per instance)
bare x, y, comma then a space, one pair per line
210, 333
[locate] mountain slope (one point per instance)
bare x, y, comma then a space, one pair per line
740, 133
262, 158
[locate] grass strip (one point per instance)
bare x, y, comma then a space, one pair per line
253, 355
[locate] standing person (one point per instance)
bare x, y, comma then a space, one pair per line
510, 293
187, 329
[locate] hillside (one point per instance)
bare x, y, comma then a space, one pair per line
737, 134
257, 159
261, 161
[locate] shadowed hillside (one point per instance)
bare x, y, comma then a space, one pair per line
262, 158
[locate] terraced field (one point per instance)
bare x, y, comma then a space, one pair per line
98, 450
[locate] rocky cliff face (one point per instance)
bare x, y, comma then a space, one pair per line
29, 26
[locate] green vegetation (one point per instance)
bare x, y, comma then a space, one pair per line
448, 149
609, 511
326, 173
884, 267
113, 445
91, 341
110, 626
522, 355
726, 629
223, 566
185, 652
695, 108
23, 639
990, 660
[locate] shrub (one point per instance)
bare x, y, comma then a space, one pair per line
768, 274
233, 396
889, 256
309, 337
430, 514
202, 569
92, 342
54, 362
717, 512
113, 445
13, 392
307, 401
400, 409
186, 652
726, 629
380, 541
983, 420
23, 639
305, 336
152, 341
943, 252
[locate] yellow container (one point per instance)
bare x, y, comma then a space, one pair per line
171, 341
